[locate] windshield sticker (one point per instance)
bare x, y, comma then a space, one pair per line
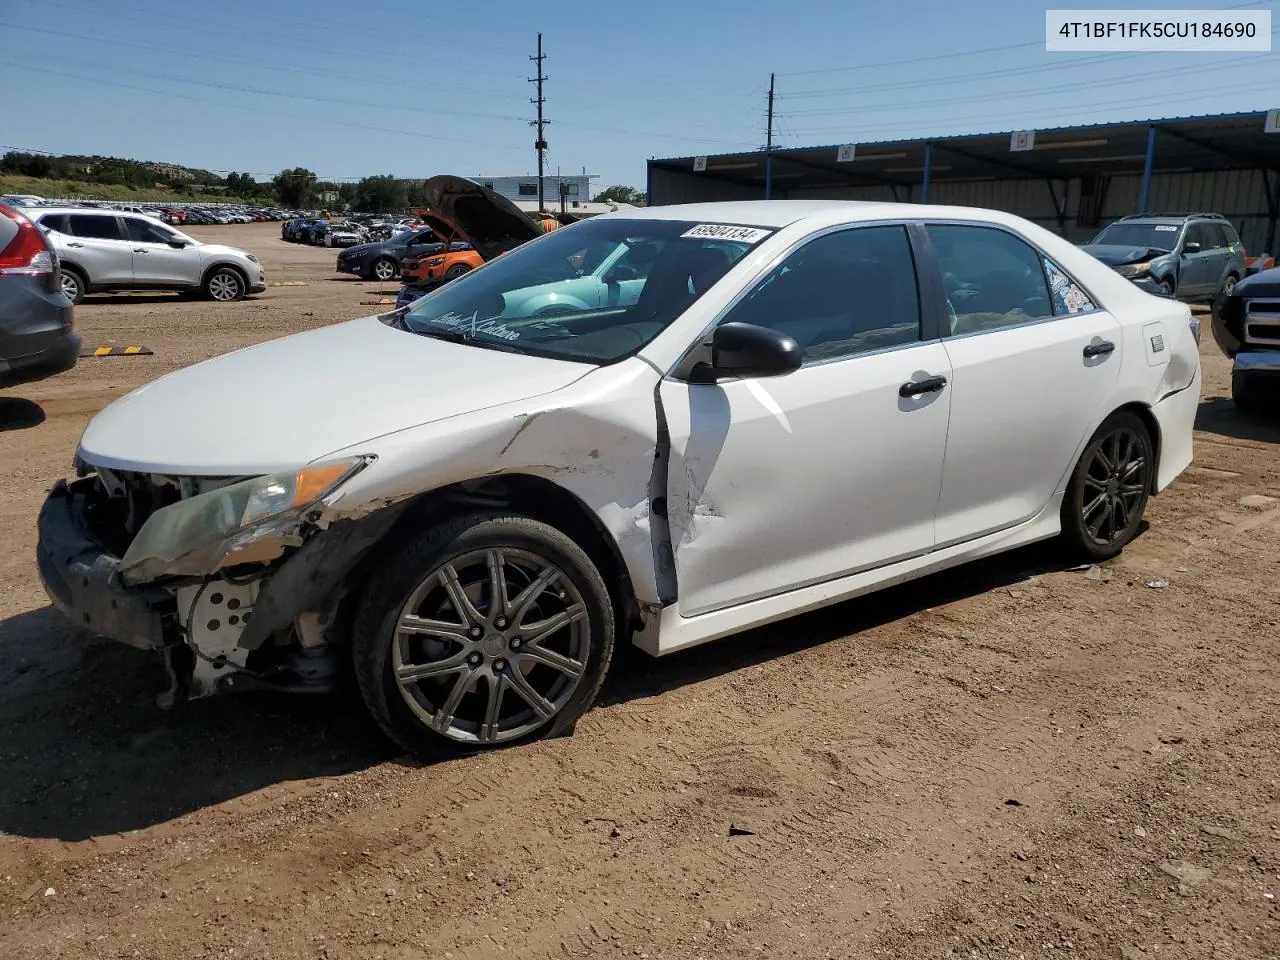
456, 321
1166, 228
717, 231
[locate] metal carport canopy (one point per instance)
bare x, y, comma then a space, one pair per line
1181, 144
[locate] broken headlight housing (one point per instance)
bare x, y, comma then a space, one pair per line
252, 521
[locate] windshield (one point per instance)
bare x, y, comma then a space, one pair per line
596, 291
1159, 236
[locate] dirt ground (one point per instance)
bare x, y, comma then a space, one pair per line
1007, 761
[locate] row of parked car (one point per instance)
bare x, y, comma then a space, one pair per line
171, 213
355, 229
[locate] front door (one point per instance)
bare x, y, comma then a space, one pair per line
155, 261
778, 483
1196, 268
1033, 365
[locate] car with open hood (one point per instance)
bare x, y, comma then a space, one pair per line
1246, 327
470, 506
1192, 257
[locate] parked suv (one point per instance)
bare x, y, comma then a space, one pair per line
1193, 256
110, 250
1246, 326
37, 338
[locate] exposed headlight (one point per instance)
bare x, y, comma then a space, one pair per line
245, 522
435, 261
1131, 270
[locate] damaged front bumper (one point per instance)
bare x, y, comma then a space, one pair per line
259, 624
82, 579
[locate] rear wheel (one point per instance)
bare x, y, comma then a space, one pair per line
484, 632
1229, 284
73, 284
1109, 488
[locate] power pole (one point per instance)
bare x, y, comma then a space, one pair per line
768, 145
540, 145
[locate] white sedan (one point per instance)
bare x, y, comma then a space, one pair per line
805, 402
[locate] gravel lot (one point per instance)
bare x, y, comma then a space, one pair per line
1009, 760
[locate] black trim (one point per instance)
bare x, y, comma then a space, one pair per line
934, 324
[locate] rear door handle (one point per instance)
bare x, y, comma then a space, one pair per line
75, 244
1100, 349
916, 387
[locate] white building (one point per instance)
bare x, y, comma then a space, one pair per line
577, 187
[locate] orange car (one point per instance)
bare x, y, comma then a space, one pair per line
448, 263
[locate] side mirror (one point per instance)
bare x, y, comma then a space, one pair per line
747, 350
1191, 247
177, 244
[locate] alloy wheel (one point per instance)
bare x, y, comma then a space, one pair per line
70, 286
224, 286
1114, 486
491, 645
384, 270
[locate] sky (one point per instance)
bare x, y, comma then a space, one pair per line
352, 88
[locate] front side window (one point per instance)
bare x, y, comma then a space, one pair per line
96, 227
990, 277
841, 294
1199, 233
142, 232
557, 296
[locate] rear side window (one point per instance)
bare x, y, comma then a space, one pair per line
56, 222
1068, 296
991, 278
94, 227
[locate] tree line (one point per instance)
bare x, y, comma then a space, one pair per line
296, 188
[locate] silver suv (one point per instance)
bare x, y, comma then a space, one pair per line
110, 250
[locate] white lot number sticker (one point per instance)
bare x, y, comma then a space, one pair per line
717, 231
1166, 228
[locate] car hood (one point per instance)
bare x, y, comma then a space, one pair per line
489, 221
287, 402
1115, 254
1264, 283
217, 249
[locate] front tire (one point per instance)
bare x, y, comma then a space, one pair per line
457, 270
1109, 488
383, 269
224, 285
1248, 392
486, 631
1166, 287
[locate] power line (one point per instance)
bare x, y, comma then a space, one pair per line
894, 63
1061, 88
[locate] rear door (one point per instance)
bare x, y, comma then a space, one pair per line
99, 246
155, 261
1034, 362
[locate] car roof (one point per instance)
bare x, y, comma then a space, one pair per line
783, 213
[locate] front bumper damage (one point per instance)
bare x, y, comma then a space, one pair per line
273, 624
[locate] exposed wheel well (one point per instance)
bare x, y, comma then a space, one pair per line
244, 278
77, 270
1148, 419
519, 493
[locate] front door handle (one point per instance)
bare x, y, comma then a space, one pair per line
75, 244
140, 250
916, 387
1100, 349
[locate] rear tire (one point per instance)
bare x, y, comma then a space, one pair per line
1109, 488
74, 284
432, 690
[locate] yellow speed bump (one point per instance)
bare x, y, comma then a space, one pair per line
130, 351
289, 283
378, 302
